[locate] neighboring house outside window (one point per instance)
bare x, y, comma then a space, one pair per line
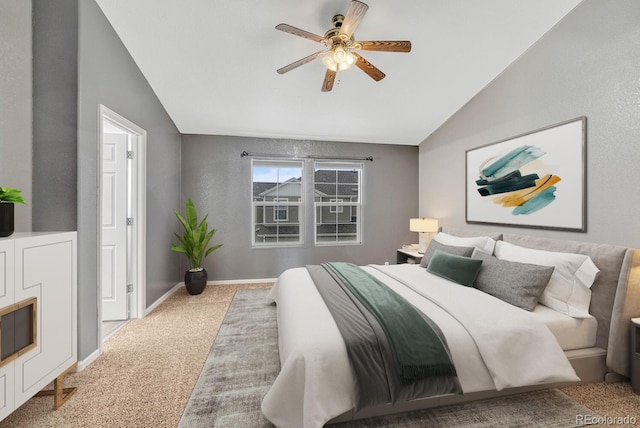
338, 203
277, 202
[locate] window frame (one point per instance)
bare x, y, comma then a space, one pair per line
338, 207
278, 202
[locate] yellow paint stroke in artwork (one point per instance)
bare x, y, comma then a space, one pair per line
519, 197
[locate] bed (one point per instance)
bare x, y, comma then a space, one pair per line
496, 347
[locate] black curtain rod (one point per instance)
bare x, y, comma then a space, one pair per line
273, 155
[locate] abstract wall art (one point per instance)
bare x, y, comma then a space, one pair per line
536, 180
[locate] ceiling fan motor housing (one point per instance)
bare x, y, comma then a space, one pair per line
332, 35
337, 20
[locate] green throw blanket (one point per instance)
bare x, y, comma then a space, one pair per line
418, 351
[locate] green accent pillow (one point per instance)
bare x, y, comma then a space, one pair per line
459, 269
435, 245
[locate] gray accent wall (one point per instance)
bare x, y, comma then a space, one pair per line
108, 75
588, 64
55, 113
218, 180
16, 104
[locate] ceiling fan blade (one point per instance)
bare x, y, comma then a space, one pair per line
329, 77
298, 32
299, 62
353, 17
386, 46
369, 68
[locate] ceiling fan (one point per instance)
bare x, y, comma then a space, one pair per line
341, 47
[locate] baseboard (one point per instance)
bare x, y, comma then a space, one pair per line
90, 359
162, 298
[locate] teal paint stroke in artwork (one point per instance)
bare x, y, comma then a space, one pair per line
514, 174
512, 161
510, 185
536, 203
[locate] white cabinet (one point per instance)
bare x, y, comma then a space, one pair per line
41, 266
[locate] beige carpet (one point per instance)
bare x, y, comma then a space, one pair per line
149, 368
147, 371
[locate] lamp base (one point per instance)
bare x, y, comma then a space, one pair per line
423, 241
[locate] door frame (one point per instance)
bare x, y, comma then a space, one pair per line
138, 297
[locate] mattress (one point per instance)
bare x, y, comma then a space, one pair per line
315, 383
571, 333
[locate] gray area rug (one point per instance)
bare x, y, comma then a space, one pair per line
244, 362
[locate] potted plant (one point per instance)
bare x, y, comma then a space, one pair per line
193, 243
8, 197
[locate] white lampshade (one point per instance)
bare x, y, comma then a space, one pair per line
427, 225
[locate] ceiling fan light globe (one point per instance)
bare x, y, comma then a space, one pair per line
339, 54
329, 62
350, 58
343, 66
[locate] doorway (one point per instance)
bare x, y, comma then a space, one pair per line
121, 220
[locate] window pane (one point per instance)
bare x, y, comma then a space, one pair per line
348, 176
276, 193
289, 233
349, 192
276, 224
337, 198
332, 226
326, 232
271, 182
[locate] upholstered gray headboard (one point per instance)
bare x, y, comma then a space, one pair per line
615, 295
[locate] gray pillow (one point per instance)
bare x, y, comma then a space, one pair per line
519, 284
435, 245
459, 269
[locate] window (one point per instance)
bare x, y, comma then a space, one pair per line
281, 212
338, 203
277, 202
335, 208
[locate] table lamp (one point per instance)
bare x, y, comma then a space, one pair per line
424, 227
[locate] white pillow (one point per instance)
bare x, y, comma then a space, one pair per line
483, 243
568, 290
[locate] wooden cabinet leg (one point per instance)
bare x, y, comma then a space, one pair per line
59, 392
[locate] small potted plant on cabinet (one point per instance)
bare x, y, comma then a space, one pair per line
193, 243
8, 197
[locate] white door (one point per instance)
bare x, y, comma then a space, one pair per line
114, 227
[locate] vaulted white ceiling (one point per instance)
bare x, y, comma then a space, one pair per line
212, 63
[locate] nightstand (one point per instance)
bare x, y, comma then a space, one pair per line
408, 256
635, 354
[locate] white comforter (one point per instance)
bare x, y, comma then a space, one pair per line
494, 345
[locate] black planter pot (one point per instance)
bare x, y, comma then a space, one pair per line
195, 281
6, 219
